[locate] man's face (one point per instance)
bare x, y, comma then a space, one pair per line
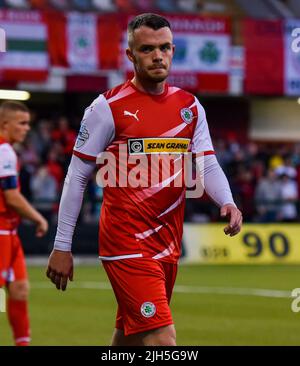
17, 124
151, 53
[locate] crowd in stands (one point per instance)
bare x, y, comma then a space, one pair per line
127, 6
265, 178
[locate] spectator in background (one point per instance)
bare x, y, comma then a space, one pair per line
267, 198
245, 192
125, 6
289, 196
66, 136
167, 6
104, 5
39, 4
145, 5
60, 4
44, 192
187, 6
276, 161
55, 169
223, 155
287, 168
41, 138
29, 156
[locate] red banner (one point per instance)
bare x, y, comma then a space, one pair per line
264, 54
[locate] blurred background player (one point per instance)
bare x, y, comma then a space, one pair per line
140, 228
14, 126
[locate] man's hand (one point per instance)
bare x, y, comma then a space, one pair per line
60, 268
235, 217
41, 227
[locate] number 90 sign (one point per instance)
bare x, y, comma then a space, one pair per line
278, 244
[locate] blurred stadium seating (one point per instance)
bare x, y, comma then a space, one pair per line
235, 8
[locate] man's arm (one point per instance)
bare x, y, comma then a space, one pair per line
9, 186
60, 265
16, 201
217, 187
97, 130
215, 182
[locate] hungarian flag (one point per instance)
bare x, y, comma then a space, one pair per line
272, 65
26, 56
83, 42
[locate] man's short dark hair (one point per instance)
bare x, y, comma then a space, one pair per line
153, 21
13, 106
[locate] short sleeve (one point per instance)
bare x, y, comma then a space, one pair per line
201, 142
8, 161
97, 130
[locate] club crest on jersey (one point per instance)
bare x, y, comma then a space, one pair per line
186, 115
83, 136
148, 309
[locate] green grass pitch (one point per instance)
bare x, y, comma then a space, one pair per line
212, 305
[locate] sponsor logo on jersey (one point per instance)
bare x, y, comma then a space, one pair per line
157, 145
186, 115
148, 309
82, 137
134, 115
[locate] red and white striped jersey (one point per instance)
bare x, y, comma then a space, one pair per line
9, 219
147, 219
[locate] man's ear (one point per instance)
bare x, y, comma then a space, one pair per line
4, 123
130, 55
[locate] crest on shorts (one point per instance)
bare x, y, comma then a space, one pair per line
187, 115
148, 309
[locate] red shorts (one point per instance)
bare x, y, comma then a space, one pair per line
143, 289
12, 261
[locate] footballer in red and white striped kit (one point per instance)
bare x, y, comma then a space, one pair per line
141, 222
14, 126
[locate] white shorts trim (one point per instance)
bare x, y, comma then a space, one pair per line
8, 232
121, 257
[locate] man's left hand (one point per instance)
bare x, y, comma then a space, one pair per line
235, 217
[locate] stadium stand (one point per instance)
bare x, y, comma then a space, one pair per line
104, 5
217, 7
294, 5
18, 4
257, 9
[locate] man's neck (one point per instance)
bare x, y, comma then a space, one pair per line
5, 137
149, 87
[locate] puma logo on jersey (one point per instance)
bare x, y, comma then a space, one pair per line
134, 115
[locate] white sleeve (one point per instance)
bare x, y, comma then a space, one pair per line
215, 182
97, 130
201, 142
71, 200
8, 161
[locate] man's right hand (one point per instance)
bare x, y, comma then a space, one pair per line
41, 227
60, 268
